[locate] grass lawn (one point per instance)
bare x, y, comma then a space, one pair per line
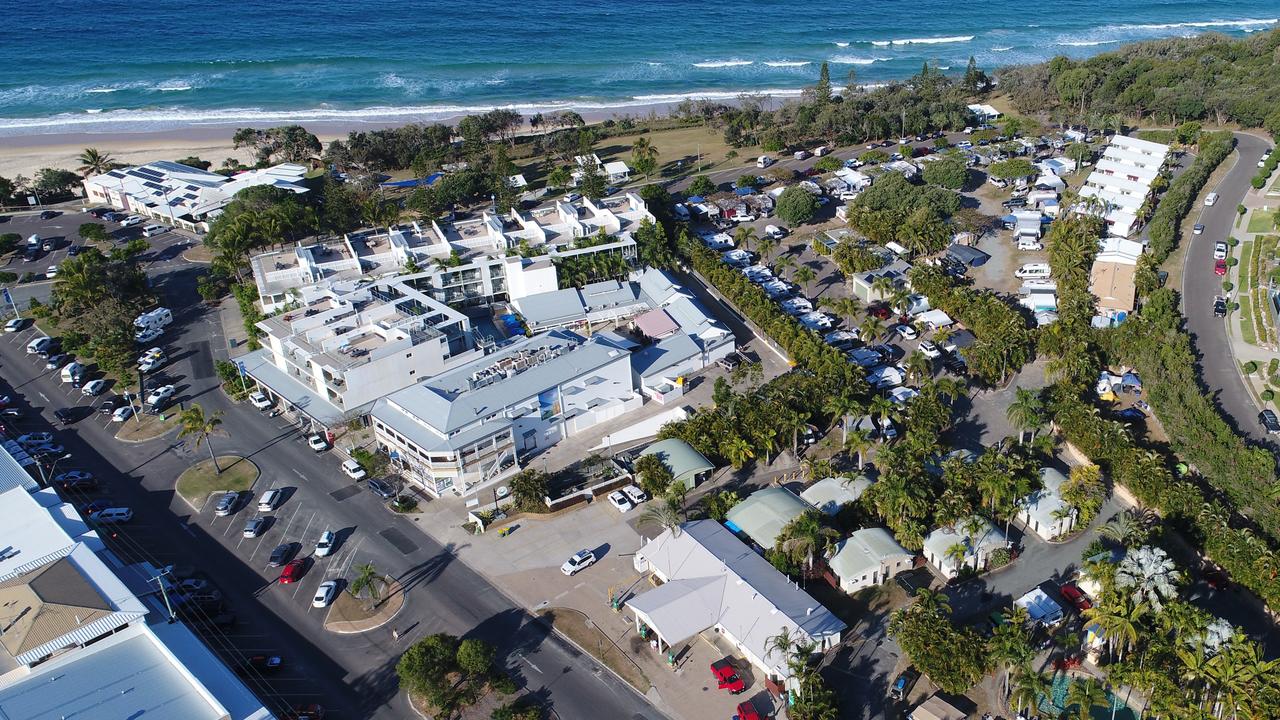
575, 626
1246, 270
1262, 221
199, 481
1246, 320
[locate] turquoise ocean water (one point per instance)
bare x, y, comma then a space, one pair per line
111, 66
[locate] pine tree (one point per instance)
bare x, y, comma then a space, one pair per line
971, 76
823, 90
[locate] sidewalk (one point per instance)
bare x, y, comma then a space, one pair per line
1241, 350
232, 327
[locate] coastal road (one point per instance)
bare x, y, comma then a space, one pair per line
1218, 369
352, 675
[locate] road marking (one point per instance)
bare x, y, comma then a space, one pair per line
295, 472
529, 662
307, 529
42, 396
187, 529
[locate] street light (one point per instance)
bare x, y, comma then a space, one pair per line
40, 466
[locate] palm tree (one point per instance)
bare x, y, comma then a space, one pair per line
782, 643
956, 554
738, 451
858, 441
643, 149
783, 264
804, 275
745, 236
931, 601
952, 388
840, 406
1026, 412
807, 537
883, 287
871, 329
918, 366
1011, 648
664, 514
764, 246
194, 422
94, 162
366, 580
1130, 527
1119, 623
1029, 687
1150, 574
1084, 696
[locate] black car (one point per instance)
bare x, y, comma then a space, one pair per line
111, 404
955, 365
99, 212
382, 488
49, 214
73, 250
66, 416
280, 555
1219, 307
1269, 422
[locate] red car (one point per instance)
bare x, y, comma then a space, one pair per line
727, 677
293, 571
1076, 597
1220, 267
881, 312
747, 711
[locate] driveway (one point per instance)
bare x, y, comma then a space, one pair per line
1217, 367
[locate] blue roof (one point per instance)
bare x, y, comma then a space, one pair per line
696, 199
744, 191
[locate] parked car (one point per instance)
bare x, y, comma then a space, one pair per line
353, 470
227, 503
49, 214
40, 345
266, 664
619, 501
76, 480
94, 387
133, 220
730, 362
56, 361
66, 416
253, 527
382, 488
1219, 251
15, 324
1197, 229
727, 676
293, 571
280, 555
325, 594
579, 561
1075, 596
47, 450
259, 400
880, 311
34, 439
902, 684
160, 395
1269, 422
635, 494
324, 546
270, 500
147, 335
906, 331
111, 516
929, 350
318, 442
122, 413
1220, 268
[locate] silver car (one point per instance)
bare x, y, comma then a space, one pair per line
227, 503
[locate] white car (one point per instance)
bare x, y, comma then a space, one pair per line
353, 470
15, 325
325, 594
929, 350
122, 413
259, 400
132, 220
151, 363
906, 331
619, 501
1220, 251
52, 272
580, 560
161, 394
635, 494
318, 442
325, 545
147, 335
93, 388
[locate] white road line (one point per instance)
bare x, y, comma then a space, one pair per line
285, 536
307, 529
42, 396
187, 529
530, 664
295, 472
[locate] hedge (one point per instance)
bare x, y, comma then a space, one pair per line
1178, 199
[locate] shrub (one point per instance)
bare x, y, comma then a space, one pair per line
1250, 367
1178, 199
796, 206
1268, 395
1228, 286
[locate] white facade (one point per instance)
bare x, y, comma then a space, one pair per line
467, 428
182, 195
977, 546
868, 557
1044, 512
615, 172
1121, 181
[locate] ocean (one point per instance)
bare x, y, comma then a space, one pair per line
113, 66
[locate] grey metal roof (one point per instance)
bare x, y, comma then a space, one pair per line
830, 494
453, 400
549, 309
664, 355
757, 601
13, 474
682, 608
765, 512
692, 318
680, 457
659, 287
864, 551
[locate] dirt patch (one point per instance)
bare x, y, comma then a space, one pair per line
349, 614
582, 632
144, 427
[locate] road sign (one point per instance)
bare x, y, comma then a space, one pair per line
243, 370
7, 297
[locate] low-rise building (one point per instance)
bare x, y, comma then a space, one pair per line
467, 428
831, 494
711, 581
1114, 285
864, 283
968, 544
181, 195
1120, 184
1044, 512
870, 556
328, 360
615, 172
763, 514
688, 466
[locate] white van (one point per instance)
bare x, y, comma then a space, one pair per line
1034, 271
1211, 198
801, 155
764, 161
820, 151
112, 515
268, 501
154, 230
1028, 243
73, 372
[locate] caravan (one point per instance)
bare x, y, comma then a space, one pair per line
1034, 271
154, 319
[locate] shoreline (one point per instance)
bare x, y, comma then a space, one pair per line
27, 154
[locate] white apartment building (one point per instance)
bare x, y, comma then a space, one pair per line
469, 261
353, 343
1121, 181
467, 428
181, 195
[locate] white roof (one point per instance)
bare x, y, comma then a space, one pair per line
865, 550
988, 538
12, 473
724, 583
1119, 250
1117, 166
1138, 144
936, 318
764, 513
830, 494
616, 167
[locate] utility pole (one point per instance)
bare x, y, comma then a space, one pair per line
164, 593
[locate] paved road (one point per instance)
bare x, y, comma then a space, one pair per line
352, 675
1217, 367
